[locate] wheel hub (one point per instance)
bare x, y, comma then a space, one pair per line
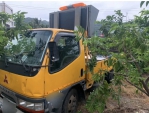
72, 104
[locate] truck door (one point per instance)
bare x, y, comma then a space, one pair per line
68, 70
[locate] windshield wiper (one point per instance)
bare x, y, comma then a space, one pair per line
22, 62
27, 69
31, 68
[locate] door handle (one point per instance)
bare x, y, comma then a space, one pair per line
81, 72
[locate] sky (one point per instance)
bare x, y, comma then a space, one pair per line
41, 9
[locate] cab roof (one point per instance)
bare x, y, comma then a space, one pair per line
53, 29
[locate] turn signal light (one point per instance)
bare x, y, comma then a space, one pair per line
72, 6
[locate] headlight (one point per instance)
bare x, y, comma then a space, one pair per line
31, 106
39, 106
22, 102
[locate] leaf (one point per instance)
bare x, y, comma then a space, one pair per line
1, 39
2, 32
143, 48
146, 69
147, 2
142, 2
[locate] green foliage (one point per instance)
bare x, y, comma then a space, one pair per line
20, 26
142, 2
4, 18
8, 34
128, 44
97, 98
23, 45
35, 23
142, 20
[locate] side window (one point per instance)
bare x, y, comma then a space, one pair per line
69, 50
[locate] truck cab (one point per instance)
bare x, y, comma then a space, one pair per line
47, 74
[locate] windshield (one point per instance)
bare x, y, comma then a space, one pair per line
29, 49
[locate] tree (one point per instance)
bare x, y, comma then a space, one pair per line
31, 24
3, 39
37, 24
44, 26
142, 2
4, 18
8, 34
128, 44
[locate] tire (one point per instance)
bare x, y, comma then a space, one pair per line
109, 77
71, 102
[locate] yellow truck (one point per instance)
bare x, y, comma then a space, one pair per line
51, 78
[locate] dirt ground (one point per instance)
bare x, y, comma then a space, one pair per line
130, 102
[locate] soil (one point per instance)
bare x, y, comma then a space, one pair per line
130, 102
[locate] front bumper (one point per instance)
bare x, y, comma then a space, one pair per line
0, 109
0, 105
8, 107
17, 110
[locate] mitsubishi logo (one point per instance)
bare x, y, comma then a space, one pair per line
5, 79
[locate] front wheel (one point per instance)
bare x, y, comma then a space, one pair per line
71, 102
109, 76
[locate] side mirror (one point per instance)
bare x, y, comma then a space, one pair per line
54, 53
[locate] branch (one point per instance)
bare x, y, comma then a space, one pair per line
137, 66
146, 91
146, 81
132, 61
137, 87
145, 86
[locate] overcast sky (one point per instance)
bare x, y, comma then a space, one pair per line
41, 9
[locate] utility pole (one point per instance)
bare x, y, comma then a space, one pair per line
126, 16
